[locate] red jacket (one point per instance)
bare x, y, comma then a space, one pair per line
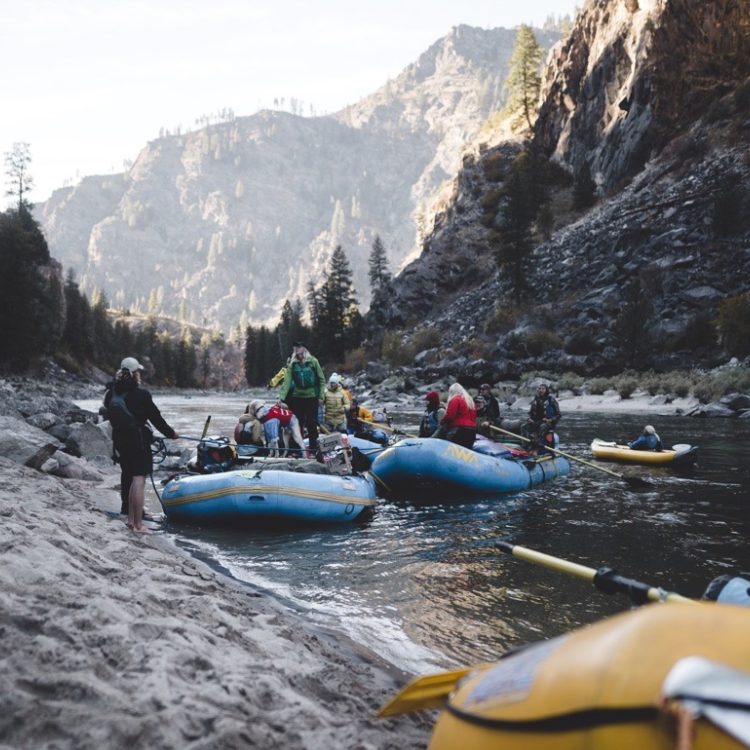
458, 414
278, 412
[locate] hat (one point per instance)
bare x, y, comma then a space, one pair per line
131, 364
295, 344
335, 378
649, 430
433, 397
485, 387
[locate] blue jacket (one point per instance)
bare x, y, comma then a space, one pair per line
645, 443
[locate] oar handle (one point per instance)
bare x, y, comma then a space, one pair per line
605, 579
205, 426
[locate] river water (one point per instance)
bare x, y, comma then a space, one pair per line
423, 585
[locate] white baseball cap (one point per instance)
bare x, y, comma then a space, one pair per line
132, 364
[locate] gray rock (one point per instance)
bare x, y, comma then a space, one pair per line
88, 440
735, 401
44, 420
72, 467
21, 442
715, 410
61, 431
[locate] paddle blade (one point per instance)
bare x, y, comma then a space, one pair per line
426, 692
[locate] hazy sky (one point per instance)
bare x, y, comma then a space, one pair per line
88, 82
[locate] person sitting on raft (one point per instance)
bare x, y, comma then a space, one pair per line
249, 430
432, 416
459, 425
648, 440
544, 414
358, 419
280, 422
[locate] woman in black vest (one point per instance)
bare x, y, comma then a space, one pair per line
129, 407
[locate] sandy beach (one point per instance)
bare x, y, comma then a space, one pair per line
117, 640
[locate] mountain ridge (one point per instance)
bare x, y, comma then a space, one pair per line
203, 222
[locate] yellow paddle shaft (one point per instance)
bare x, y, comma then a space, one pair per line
562, 453
582, 571
385, 427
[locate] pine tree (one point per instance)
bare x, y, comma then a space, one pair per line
339, 304
378, 266
30, 306
17, 163
515, 235
524, 80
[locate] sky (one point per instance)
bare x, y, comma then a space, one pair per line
87, 83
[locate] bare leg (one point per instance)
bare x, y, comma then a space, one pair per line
137, 499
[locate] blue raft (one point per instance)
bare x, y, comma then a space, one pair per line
270, 496
451, 471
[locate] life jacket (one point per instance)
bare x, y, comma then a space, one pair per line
303, 375
429, 423
277, 412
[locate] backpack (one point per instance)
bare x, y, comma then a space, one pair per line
303, 375
120, 417
216, 455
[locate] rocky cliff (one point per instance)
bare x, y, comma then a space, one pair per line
652, 96
225, 223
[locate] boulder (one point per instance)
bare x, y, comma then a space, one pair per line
88, 440
44, 420
21, 442
72, 467
735, 401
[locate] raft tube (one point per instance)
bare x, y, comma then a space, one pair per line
270, 496
450, 471
618, 684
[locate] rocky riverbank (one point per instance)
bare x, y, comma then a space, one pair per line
117, 640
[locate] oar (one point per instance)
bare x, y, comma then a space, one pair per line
426, 692
205, 426
433, 690
632, 481
386, 427
605, 579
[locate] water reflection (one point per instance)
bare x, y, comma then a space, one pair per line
425, 586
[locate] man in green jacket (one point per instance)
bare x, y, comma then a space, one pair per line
302, 390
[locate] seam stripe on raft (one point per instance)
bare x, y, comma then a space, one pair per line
258, 489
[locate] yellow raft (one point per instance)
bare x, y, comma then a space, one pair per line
678, 455
649, 679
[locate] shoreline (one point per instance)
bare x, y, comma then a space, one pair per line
120, 640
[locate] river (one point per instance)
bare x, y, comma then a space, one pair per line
424, 586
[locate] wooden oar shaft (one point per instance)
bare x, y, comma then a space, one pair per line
562, 453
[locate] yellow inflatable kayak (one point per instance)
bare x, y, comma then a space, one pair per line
678, 455
649, 679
